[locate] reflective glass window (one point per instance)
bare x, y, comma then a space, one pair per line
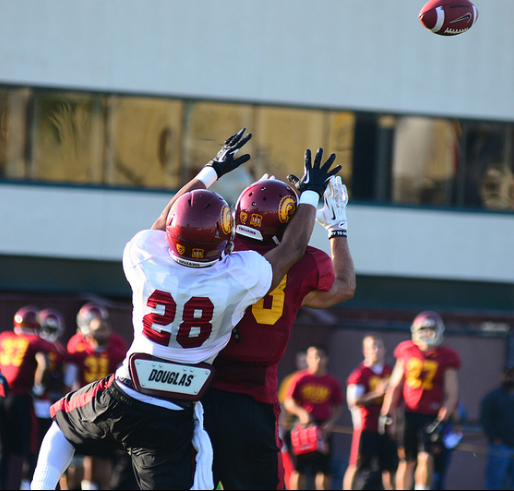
143, 146
488, 164
68, 137
13, 133
283, 134
207, 125
425, 160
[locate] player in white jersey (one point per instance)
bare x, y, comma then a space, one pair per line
189, 291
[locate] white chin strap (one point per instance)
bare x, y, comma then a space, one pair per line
249, 232
193, 264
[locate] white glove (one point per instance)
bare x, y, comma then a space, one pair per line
333, 214
266, 176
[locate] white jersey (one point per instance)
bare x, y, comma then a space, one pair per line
183, 314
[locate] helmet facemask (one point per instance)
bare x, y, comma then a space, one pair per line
428, 329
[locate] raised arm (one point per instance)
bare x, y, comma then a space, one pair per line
299, 230
333, 217
223, 163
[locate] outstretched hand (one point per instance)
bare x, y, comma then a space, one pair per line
315, 177
333, 214
224, 162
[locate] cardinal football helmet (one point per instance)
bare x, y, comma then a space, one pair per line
428, 329
87, 313
52, 324
200, 229
27, 320
264, 209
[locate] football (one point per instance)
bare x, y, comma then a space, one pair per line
448, 17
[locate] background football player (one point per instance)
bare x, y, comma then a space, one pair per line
366, 387
96, 351
25, 362
426, 375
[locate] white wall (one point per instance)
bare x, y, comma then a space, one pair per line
95, 224
340, 53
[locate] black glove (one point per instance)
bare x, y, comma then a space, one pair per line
224, 162
315, 178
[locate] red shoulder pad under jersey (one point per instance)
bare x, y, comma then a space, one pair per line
77, 344
403, 348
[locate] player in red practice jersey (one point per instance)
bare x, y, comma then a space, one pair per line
426, 375
366, 387
242, 407
314, 397
97, 352
24, 361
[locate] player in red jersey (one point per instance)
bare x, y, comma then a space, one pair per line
24, 361
314, 397
242, 407
97, 352
366, 387
426, 375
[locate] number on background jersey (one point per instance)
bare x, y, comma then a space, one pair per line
13, 351
196, 317
269, 316
421, 373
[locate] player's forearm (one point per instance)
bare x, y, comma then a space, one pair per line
160, 223
343, 288
391, 400
343, 268
368, 399
294, 242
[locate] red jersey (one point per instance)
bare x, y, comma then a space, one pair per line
317, 395
423, 388
94, 365
250, 366
367, 378
18, 359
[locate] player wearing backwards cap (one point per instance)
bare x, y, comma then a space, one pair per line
426, 375
189, 291
242, 407
24, 361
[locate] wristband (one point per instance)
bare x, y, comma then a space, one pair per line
338, 233
208, 176
309, 198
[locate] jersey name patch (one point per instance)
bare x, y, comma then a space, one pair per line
165, 379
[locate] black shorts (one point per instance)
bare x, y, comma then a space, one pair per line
370, 447
244, 436
101, 417
415, 438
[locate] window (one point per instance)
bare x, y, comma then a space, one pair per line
13, 133
143, 146
68, 137
161, 142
